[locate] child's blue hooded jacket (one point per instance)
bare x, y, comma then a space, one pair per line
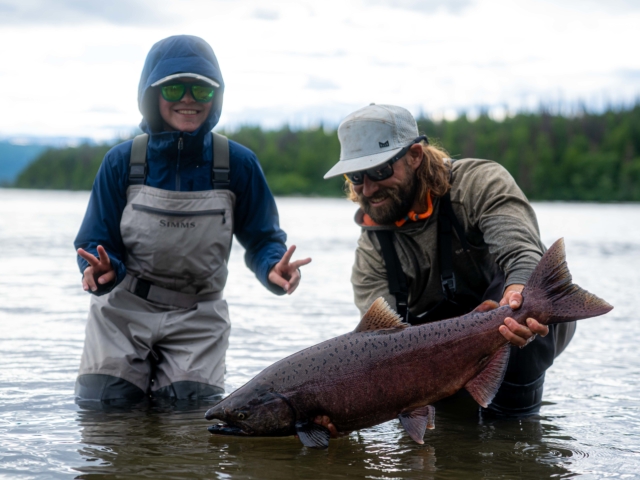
255, 217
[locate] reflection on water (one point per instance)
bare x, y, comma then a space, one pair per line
171, 442
588, 425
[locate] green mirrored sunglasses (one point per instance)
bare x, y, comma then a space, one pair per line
175, 91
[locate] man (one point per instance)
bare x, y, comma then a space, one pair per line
155, 241
440, 236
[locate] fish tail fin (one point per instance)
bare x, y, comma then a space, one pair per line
551, 291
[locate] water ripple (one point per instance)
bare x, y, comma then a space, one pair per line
589, 423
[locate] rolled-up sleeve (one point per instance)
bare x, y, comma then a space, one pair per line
369, 275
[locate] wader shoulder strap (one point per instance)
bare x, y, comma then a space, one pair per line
138, 160
395, 276
447, 222
220, 163
445, 249
219, 169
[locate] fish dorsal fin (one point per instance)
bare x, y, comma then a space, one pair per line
415, 422
486, 306
379, 317
484, 386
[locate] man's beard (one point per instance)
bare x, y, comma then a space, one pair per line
400, 200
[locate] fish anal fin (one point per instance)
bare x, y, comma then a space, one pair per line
486, 306
484, 386
312, 435
380, 316
416, 421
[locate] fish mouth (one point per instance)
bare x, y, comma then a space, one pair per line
224, 426
225, 429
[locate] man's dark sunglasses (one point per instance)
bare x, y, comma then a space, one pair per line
384, 171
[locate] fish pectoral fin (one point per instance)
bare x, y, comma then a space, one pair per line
416, 421
486, 306
312, 435
484, 386
380, 316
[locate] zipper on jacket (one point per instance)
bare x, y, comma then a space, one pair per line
180, 213
180, 146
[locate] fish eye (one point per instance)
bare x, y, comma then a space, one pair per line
241, 416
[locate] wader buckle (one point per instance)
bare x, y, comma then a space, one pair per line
403, 310
142, 288
220, 178
220, 175
137, 173
449, 286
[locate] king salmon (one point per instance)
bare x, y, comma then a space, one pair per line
386, 369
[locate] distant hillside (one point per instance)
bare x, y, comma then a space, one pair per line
293, 162
586, 157
14, 158
71, 168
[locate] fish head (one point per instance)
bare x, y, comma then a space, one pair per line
252, 413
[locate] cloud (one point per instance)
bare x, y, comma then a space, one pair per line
105, 109
121, 12
376, 62
316, 83
629, 74
311, 116
265, 14
610, 6
424, 6
330, 54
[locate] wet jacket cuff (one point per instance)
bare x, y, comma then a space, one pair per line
121, 272
272, 287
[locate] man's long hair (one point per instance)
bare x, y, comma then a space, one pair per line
432, 174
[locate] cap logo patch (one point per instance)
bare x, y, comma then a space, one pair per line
383, 144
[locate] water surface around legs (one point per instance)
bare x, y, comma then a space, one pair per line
589, 423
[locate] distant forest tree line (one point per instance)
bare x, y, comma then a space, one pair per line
586, 157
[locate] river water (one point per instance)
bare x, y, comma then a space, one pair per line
588, 426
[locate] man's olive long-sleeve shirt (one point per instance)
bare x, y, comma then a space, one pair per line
501, 229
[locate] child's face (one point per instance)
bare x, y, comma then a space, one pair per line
185, 115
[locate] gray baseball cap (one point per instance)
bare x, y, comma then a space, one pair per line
371, 136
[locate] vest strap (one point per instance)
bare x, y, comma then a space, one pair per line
395, 276
445, 248
447, 223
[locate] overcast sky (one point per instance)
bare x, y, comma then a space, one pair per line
71, 67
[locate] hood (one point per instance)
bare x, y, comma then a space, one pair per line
178, 54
